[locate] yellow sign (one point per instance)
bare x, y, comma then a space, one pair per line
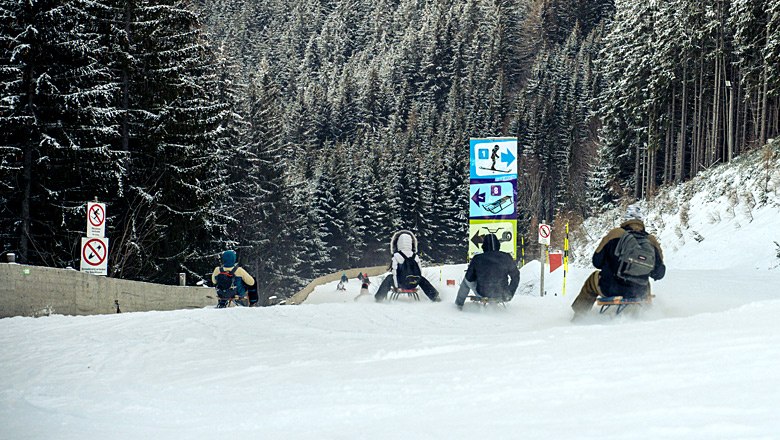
504, 230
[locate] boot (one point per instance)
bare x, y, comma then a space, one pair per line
587, 296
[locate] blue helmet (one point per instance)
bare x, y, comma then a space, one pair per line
229, 258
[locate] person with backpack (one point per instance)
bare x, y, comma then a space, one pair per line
342, 282
405, 269
232, 280
626, 257
491, 274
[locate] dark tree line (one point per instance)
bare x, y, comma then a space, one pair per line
304, 133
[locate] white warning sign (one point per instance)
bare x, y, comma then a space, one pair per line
94, 255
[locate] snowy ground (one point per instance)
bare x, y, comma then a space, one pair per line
703, 363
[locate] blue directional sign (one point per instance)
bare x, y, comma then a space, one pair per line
493, 199
494, 159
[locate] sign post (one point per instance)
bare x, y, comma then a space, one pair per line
565, 258
544, 240
493, 193
94, 247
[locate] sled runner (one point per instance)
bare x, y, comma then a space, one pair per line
395, 292
621, 303
484, 301
235, 300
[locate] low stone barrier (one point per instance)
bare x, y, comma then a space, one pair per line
351, 273
37, 291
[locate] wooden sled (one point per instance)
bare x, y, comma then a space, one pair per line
484, 301
621, 303
240, 301
411, 293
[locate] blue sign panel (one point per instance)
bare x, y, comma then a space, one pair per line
493, 199
494, 159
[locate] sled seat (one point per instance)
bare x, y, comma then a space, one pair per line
411, 293
621, 302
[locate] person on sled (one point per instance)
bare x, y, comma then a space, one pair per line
343, 282
231, 280
363, 286
626, 257
405, 269
491, 274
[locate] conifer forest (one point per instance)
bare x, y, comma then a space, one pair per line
303, 133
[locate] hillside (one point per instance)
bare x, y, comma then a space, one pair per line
726, 208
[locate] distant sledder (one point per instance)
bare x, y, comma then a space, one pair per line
233, 283
492, 276
342, 285
627, 257
405, 276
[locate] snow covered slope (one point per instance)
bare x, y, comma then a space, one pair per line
701, 364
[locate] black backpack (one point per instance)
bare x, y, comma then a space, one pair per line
636, 257
408, 273
228, 283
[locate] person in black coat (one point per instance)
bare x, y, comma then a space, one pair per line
605, 281
490, 274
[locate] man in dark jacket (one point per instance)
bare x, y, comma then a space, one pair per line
606, 281
490, 274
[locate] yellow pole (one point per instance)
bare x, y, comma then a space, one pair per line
522, 251
565, 258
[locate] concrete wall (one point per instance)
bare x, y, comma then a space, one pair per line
38, 291
351, 273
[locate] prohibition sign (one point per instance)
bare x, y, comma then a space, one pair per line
544, 234
96, 215
94, 252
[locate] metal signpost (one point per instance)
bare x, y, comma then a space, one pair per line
94, 247
544, 239
493, 193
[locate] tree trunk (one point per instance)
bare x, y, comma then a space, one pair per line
126, 86
27, 192
638, 173
24, 240
764, 93
730, 121
681, 144
711, 156
698, 128
668, 140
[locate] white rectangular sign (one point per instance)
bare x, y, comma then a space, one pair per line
96, 219
544, 234
94, 255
